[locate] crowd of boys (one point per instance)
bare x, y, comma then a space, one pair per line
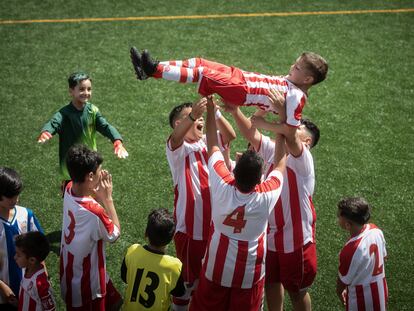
240, 228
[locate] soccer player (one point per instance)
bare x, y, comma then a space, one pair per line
240, 87
35, 293
187, 157
233, 271
89, 220
14, 220
291, 261
361, 283
151, 275
78, 122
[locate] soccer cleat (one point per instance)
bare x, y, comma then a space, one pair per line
148, 64
137, 63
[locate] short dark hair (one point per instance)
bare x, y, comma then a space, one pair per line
175, 112
355, 209
81, 161
160, 227
10, 183
77, 77
33, 244
312, 129
248, 171
316, 65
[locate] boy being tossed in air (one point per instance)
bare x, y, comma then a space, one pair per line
239, 87
361, 283
78, 122
32, 249
89, 220
151, 275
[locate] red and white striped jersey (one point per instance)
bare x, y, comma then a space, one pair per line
234, 85
258, 86
361, 268
36, 293
192, 200
237, 246
85, 228
292, 224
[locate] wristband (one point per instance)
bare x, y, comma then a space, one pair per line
217, 115
117, 143
191, 117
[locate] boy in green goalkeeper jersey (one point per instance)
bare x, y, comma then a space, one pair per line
78, 122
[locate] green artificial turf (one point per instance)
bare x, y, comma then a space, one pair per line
364, 109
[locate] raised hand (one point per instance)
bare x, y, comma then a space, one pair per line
277, 99
198, 108
103, 192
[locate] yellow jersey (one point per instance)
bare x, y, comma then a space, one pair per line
150, 278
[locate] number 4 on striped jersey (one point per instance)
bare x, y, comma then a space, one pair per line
236, 219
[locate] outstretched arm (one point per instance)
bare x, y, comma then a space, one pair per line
224, 127
293, 143
51, 127
246, 128
279, 162
212, 141
109, 131
181, 129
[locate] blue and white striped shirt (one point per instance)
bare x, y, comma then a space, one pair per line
23, 221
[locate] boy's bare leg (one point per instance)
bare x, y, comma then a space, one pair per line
274, 296
301, 301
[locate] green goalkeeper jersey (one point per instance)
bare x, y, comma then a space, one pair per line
78, 126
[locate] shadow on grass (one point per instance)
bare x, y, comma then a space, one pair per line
54, 241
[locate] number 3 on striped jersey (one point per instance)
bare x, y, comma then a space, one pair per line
373, 249
71, 228
236, 219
